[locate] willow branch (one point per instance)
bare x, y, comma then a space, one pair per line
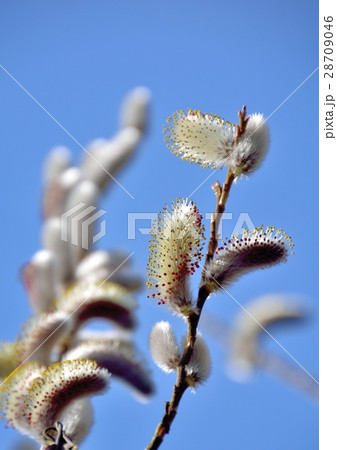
171, 407
222, 192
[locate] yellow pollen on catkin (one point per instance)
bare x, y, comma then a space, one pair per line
175, 250
205, 139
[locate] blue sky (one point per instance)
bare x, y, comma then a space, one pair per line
78, 60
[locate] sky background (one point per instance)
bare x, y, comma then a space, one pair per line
79, 59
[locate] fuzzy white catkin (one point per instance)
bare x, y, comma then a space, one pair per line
82, 230
57, 191
14, 393
51, 240
134, 110
244, 341
94, 261
204, 139
209, 140
164, 347
199, 367
96, 144
56, 162
107, 159
84, 192
41, 334
72, 298
251, 150
39, 278
175, 253
119, 358
105, 300
110, 266
61, 385
78, 419
257, 249
101, 259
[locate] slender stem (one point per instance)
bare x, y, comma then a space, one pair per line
222, 193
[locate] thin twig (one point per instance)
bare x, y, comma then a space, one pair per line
222, 193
